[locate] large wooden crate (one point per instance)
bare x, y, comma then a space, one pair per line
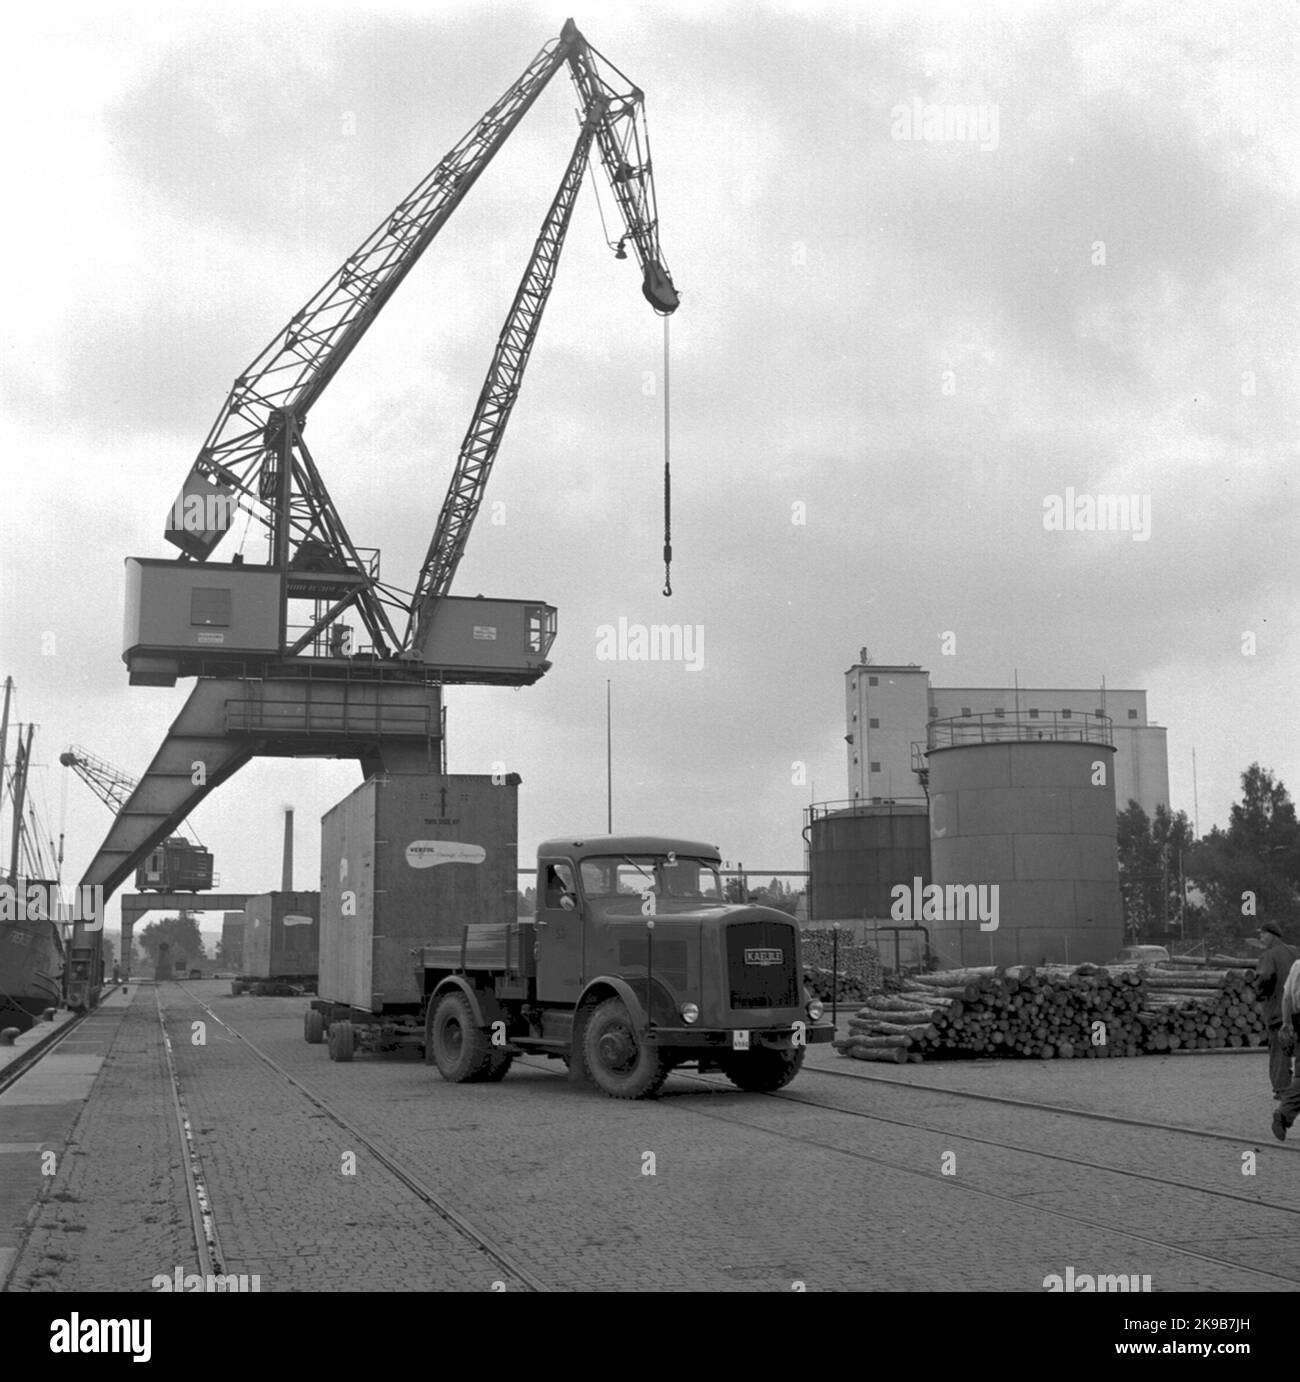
281, 935
409, 860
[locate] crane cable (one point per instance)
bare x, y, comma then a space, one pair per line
668, 481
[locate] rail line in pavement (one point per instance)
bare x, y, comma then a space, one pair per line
203, 1224
1031, 1104
951, 1181
425, 1193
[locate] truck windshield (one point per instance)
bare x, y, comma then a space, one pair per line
667, 876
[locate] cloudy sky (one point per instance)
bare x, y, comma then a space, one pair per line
909, 342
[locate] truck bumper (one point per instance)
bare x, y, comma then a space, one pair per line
724, 1038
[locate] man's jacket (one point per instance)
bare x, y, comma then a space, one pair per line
1271, 974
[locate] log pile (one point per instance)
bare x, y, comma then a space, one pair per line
860, 970
1061, 1012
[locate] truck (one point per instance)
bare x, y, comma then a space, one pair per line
633, 963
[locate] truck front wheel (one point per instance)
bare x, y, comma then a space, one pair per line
622, 1065
764, 1070
461, 1051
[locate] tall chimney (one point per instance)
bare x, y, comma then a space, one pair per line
286, 871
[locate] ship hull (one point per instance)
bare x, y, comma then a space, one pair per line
31, 971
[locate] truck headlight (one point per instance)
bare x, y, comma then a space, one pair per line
690, 1013
815, 1009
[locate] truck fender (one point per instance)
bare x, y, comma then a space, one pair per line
482, 1004
620, 986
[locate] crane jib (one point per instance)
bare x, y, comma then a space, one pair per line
255, 459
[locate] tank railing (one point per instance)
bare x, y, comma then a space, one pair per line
1080, 727
865, 806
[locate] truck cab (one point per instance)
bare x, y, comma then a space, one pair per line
633, 963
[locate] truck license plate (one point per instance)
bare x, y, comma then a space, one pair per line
740, 1041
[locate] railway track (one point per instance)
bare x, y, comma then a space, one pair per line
950, 1182
516, 1275
1031, 1104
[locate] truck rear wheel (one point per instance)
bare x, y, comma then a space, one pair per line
461, 1051
622, 1065
764, 1070
313, 1027
498, 1066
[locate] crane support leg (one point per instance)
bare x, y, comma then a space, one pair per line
196, 756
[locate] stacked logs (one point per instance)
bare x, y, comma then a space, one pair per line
1201, 1009
825, 953
1055, 1012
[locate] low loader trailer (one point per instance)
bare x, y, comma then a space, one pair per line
633, 963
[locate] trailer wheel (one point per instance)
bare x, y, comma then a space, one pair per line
313, 1027
461, 1050
342, 1042
764, 1070
622, 1065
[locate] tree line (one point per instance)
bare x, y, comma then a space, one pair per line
1218, 888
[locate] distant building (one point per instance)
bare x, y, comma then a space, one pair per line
888, 708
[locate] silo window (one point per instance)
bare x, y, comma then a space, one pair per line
873, 681
875, 767
1066, 714
210, 607
1000, 713
965, 710
1132, 714
855, 760
1033, 714
873, 724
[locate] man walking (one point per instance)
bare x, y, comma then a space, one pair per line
1271, 972
1289, 1109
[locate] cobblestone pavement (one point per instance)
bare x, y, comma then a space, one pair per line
704, 1189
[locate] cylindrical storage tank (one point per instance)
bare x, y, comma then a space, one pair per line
1022, 843
856, 855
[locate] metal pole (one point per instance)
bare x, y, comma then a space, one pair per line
609, 764
835, 974
4, 737
649, 973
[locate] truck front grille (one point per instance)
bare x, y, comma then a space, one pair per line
756, 976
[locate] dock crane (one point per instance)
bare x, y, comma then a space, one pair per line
178, 863
268, 687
